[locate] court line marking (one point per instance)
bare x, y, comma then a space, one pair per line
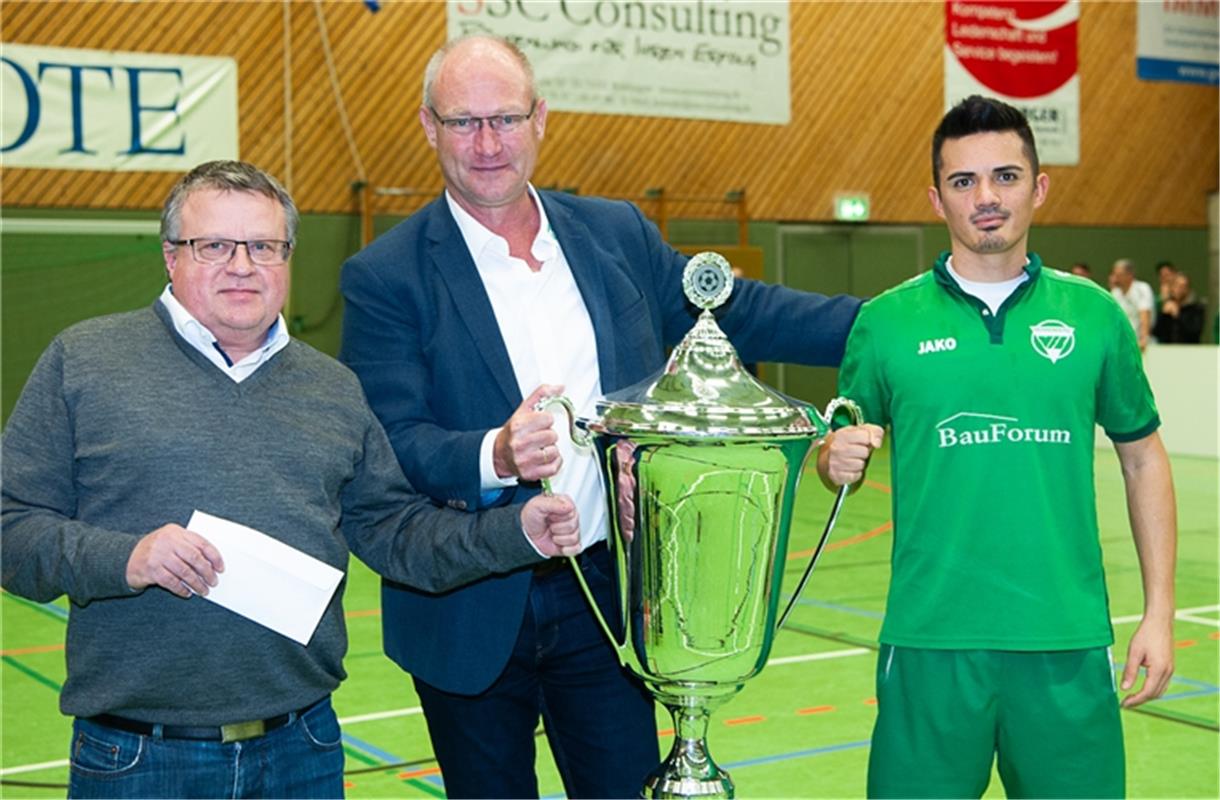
376, 715
33, 767
1184, 614
854, 651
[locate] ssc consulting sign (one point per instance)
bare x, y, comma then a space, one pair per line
711, 59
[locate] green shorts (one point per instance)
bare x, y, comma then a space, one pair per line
1051, 718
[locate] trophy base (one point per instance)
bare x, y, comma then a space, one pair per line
670, 783
689, 770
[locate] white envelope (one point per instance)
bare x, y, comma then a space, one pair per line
266, 580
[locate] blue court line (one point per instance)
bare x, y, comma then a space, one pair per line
752, 762
859, 612
816, 751
1180, 695
1201, 688
389, 758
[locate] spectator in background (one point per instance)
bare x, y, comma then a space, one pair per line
1165, 273
1135, 297
1180, 316
1082, 269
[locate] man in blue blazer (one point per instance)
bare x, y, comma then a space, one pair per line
457, 321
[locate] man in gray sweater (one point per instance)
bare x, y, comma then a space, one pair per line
131, 422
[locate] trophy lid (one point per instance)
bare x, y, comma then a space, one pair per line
703, 391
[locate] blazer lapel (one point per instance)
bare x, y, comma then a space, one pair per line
588, 262
451, 259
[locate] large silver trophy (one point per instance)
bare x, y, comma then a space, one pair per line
700, 465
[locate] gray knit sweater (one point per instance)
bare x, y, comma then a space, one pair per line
124, 427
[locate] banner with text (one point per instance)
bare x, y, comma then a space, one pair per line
1024, 53
68, 108
708, 59
1178, 40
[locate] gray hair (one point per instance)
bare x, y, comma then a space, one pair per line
1126, 265
434, 64
225, 176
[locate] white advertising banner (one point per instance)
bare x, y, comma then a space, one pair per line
1024, 53
66, 108
1178, 40
698, 59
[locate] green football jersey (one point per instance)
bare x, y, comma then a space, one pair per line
992, 424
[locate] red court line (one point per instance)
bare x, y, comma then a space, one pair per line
1214, 635
366, 612
349, 785
846, 542
665, 732
420, 773
872, 701
744, 720
1185, 643
25, 651
815, 710
881, 487
886, 528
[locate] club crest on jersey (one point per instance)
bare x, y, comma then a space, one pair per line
1052, 339
937, 345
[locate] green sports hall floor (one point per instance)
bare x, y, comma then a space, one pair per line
798, 730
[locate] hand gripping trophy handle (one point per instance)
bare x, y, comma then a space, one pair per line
583, 441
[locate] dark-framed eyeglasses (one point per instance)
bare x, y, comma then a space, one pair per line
264, 252
500, 123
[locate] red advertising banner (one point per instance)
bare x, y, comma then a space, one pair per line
1023, 52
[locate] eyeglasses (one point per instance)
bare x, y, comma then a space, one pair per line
264, 252
500, 123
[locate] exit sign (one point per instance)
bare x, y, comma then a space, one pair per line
851, 207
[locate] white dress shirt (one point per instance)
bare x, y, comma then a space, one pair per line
202, 339
1137, 298
549, 337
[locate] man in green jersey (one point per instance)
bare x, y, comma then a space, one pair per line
991, 371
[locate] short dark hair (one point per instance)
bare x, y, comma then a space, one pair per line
978, 114
225, 176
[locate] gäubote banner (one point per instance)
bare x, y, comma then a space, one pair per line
697, 59
69, 108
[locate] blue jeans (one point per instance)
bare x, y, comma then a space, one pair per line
301, 759
599, 720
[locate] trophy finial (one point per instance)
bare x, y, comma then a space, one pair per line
707, 280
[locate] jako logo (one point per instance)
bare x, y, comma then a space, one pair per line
937, 345
969, 428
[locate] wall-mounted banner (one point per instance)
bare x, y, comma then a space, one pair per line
104, 110
698, 59
1024, 53
1178, 40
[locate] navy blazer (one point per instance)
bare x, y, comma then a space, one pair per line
419, 331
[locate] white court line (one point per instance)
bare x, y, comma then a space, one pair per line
398, 712
855, 651
33, 767
1185, 614
1215, 623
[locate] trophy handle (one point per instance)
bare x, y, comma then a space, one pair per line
584, 441
825, 419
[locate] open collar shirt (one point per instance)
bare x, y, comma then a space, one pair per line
549, 337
